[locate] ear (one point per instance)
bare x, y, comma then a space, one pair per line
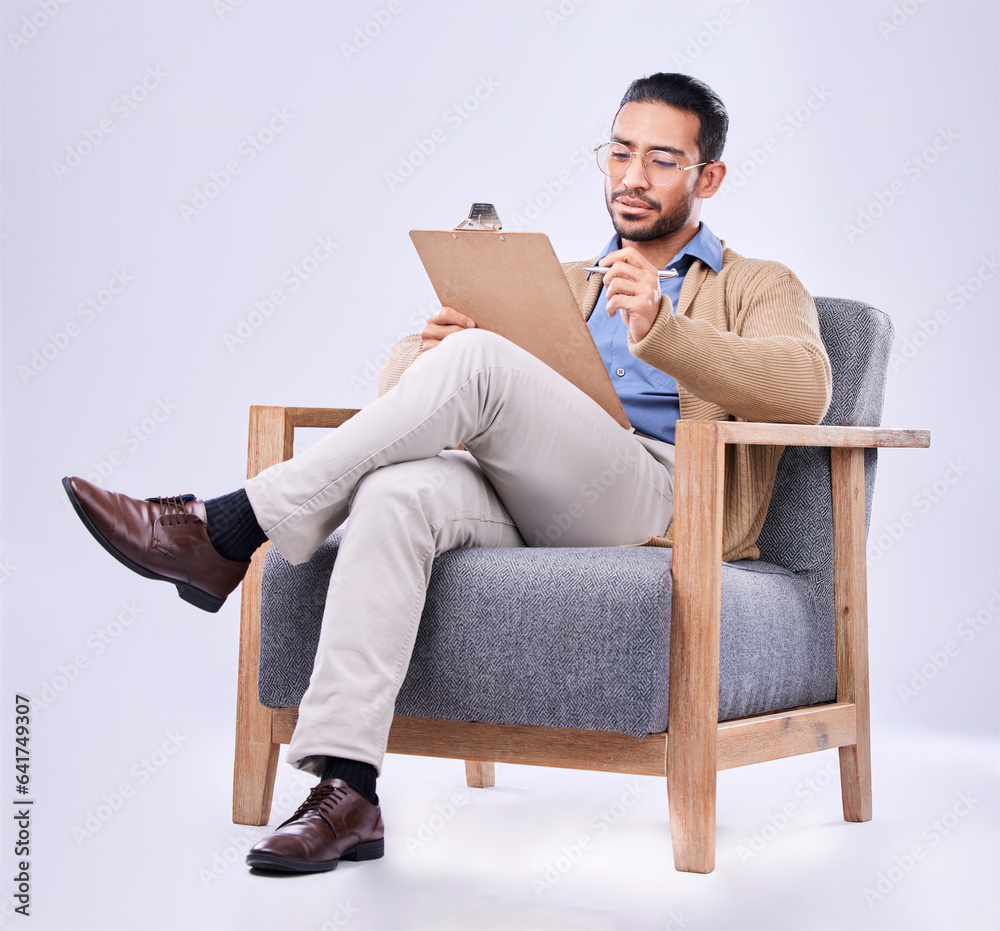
711, 179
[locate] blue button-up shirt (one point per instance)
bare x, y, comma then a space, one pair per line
648, 395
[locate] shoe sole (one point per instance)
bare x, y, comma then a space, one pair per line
369, 850
189, 593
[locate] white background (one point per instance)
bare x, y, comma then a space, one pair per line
862, 153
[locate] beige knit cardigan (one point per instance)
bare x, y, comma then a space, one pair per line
744, 344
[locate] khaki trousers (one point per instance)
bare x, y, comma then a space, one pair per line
546, 466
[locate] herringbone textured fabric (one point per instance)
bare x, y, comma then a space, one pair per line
564, 637
580, 637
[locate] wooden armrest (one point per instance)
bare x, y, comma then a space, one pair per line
319, 416
272, 431
788, 434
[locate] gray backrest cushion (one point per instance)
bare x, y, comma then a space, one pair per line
797, 532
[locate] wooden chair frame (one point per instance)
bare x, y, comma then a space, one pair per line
699, 744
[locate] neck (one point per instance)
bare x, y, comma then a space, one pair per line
660, 251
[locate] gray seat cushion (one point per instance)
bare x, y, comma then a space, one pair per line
564, 637
580, 637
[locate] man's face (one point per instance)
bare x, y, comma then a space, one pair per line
640, 211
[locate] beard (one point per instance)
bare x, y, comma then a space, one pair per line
663, 225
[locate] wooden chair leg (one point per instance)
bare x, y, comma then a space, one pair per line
847, 467
693, 720
256, 754
692, 825
480, 774
856, 781
254, 771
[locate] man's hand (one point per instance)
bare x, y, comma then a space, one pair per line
443, 323
633, 289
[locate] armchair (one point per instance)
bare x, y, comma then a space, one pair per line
572, 657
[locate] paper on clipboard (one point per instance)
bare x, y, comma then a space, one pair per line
512, 284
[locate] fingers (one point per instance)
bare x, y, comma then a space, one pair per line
629, 285
632, 285
443, 322
644, 305
448, 316
628, 271
635, 288
627, 256
635, 294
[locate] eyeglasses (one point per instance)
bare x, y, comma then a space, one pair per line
660, 168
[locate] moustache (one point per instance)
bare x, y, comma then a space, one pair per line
635, 195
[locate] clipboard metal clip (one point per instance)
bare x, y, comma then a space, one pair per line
481, 217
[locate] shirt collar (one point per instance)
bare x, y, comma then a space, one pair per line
704, 245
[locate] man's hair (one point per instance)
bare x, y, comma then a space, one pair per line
687, 93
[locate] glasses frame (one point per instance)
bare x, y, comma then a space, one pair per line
632, 155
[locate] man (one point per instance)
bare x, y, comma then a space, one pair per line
728, 337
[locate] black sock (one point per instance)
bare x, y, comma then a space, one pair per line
232, 526
359, 776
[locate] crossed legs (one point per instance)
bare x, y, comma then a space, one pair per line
545, 466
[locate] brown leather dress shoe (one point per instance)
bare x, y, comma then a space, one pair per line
160, 538
334, 823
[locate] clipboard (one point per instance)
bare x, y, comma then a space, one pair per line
512, 284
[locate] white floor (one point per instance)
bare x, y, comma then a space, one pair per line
544, 848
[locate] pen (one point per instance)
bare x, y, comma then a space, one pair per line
663, 273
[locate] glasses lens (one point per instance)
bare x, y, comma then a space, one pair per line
661, 167
613, 159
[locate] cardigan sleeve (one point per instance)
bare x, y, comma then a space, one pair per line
399, 359
769, 364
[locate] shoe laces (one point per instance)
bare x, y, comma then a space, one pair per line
318, 794
173, 509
